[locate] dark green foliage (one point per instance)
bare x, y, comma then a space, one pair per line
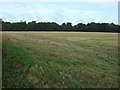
15, 71
52, 26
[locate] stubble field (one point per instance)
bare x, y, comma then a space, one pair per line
60, 60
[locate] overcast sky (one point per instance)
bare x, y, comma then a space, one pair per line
75, 12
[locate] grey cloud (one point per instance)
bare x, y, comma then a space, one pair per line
81, 20
26, 16
18, 4
39, 18
37, 15
14, 5
58, 16
7, 16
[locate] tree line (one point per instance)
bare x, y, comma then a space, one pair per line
53, 26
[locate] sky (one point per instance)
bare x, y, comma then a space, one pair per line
60, 12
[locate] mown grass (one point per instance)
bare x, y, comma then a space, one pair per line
60, 60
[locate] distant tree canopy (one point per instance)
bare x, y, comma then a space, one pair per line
52, 26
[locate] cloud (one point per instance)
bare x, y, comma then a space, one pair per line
39, 18
5, 6
26, 16
81, 20
22, 4
58, 16
30, 17
7, 16
58, 11
83, 11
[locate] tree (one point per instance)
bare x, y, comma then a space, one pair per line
52, 26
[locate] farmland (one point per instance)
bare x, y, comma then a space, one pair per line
60, 60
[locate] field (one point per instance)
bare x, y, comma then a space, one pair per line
60, 60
